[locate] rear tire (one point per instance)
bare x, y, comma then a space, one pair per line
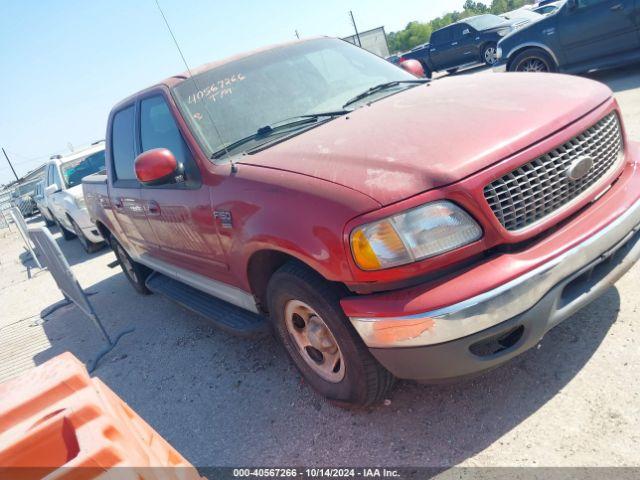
305, 310
533, 60
427, 71
135, 272
87, 244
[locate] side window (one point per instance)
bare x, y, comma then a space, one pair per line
457, 32
158, 129
122, 144
56, 177
588, 3
49, 179
441, 36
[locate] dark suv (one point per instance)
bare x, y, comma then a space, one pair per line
472, 40
582, 35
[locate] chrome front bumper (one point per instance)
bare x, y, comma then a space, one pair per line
509, 300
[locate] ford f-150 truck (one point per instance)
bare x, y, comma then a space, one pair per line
467, 41
384, 226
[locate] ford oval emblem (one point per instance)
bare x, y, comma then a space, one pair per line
579, 168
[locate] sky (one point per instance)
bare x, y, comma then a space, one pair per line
65, 63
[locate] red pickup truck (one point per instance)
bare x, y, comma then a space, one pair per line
384, 226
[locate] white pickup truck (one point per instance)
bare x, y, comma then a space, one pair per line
64, 201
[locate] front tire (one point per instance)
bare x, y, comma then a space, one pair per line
47, 222
532, 60
490, 54
307, 318
135, 272
66, 234
87, 244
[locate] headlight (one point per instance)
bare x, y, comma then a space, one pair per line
419, 233
80, 203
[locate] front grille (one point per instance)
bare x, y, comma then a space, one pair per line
535, 190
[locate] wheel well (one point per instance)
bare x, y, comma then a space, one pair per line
524, 49
262, 265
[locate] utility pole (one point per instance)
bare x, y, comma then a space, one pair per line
297, 35
355, 28
5, 156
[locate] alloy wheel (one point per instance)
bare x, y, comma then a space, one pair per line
491, 55
533, 65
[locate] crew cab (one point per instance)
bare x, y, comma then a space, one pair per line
468, 41
63, 202
383, 226
579, 36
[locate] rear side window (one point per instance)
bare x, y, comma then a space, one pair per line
122, 144
441, 36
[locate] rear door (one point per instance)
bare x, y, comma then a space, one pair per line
124, 191
441, 49
180, 214
596, 29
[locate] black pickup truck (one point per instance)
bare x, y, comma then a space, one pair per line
471, 40
581, 35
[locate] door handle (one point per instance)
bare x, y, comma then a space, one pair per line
454, 44
617, 7
153, 208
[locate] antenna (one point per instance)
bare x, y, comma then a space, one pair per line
184, 60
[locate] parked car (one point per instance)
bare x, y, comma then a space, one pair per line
549, 8
468, 41
323, 201
64, 203
22, 197
40, 200
582, 35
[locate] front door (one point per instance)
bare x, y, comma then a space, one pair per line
595, 29
180, 214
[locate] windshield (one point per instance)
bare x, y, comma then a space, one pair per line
230, 102
74, 171
485, 22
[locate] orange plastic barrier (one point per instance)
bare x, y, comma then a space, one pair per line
55, 417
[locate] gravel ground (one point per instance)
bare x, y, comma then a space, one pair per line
573, 401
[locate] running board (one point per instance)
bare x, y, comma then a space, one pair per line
224, 315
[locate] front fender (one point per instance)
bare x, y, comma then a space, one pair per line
298, 215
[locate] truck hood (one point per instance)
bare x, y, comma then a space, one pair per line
435, 134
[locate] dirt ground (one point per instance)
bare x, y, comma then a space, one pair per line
220, 400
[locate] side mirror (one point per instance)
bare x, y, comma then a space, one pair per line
158, 167
414, 67
51, 189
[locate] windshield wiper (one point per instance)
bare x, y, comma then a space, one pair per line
383, 86
278, 127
